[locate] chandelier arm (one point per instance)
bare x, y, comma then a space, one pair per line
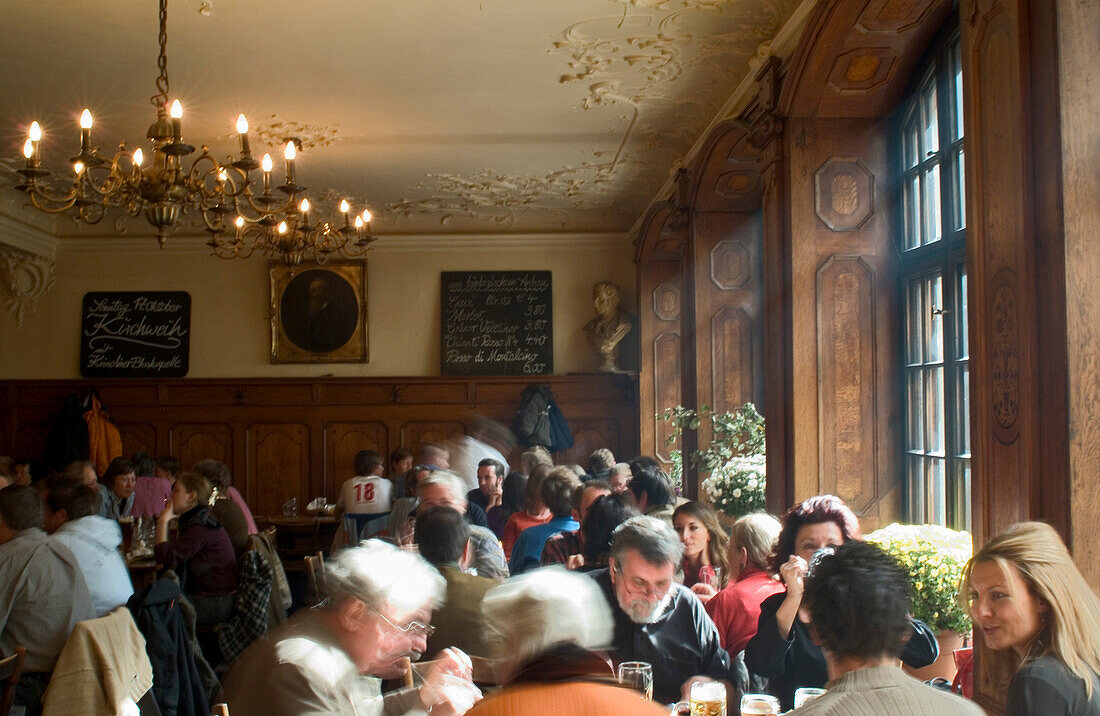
40, 199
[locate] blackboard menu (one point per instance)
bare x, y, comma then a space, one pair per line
135, 334
496, 323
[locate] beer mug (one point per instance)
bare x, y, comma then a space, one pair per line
637, 675
759, 705
708, 698
805, 694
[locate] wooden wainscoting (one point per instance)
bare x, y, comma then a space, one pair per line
298, 437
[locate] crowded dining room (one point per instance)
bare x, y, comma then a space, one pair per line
571, 357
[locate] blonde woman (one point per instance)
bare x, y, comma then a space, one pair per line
1039, 620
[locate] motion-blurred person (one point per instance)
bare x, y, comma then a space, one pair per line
151, 493
83, 472
657, 620
484, 440
534, 510
858, 600
444, 488
401, 461
329, 660
443, 539
619, 477
546, 628
1038, 620
23, 471
736, 609
433, 455
116, 489
783, 650
560, 547
69, 515
42, 593
534, 456
557, 494
705, 544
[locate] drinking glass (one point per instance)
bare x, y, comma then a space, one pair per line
759, 705
713, 577
637, 675
708, 698
805, 694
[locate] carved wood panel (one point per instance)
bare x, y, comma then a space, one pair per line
137, 437
192, 442
666, 384
416, 432
588, 435
846, 375
661, 282
732, 347
30, 439
278, 466
343, 441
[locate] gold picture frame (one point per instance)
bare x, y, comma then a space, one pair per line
319, 313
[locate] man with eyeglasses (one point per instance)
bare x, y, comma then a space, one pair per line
659, 621
330, 659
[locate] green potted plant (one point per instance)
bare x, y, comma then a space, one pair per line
734, 461
934, 557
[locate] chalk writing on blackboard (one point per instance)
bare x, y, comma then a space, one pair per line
496, 323
135, 334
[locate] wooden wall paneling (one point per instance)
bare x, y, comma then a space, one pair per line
343, 441
137, 437
660, 291
279, 465
415, 432
845, 372
29, 439
588, 435
191, 442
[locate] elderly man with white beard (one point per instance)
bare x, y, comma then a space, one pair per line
659, 621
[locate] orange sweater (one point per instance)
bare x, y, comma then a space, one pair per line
574, 698
517, 523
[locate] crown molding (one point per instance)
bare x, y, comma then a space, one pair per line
27, 237
572, 241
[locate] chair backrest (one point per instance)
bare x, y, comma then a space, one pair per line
11, 668
315, 575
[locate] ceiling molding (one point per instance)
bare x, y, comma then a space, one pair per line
571, 241
27, 237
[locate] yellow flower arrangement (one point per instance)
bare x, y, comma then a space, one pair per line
934, 557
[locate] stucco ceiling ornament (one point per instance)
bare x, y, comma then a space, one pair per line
275, 132
663, 66
26, 278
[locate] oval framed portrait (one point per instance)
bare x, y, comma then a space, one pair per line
319, 313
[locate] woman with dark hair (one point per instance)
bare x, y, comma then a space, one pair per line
201, 553
534, 512
604, 516
116, 489
511, 502
705, 544
782, 649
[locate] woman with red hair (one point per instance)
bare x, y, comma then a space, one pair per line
782, 650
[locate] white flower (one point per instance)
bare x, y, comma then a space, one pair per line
752, 483
737, 492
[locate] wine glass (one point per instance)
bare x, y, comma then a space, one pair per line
637, 675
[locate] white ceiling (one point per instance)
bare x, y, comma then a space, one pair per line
442, 115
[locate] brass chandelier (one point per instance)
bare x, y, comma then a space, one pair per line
241, 217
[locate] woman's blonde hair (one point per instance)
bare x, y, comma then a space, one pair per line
756, 534
1071, 631
718, 544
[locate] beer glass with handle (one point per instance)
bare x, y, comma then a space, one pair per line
759, 705
708, 698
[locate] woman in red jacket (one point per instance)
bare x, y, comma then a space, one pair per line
201, 553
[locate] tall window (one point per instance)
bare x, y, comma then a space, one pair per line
933, 289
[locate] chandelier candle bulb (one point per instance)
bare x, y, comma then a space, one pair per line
266, 165
138, 158
290, 153
177, 121
35, 135
28, 152
85, 132
242, 132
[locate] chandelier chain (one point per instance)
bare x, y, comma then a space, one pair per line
160, 100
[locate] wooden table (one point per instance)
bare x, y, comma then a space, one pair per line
295, 537
143, 571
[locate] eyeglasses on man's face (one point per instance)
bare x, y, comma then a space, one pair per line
413, 628
637, 586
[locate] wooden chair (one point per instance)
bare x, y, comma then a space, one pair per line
11, 668
315, 574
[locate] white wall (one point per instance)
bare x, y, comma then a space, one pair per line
230, 324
